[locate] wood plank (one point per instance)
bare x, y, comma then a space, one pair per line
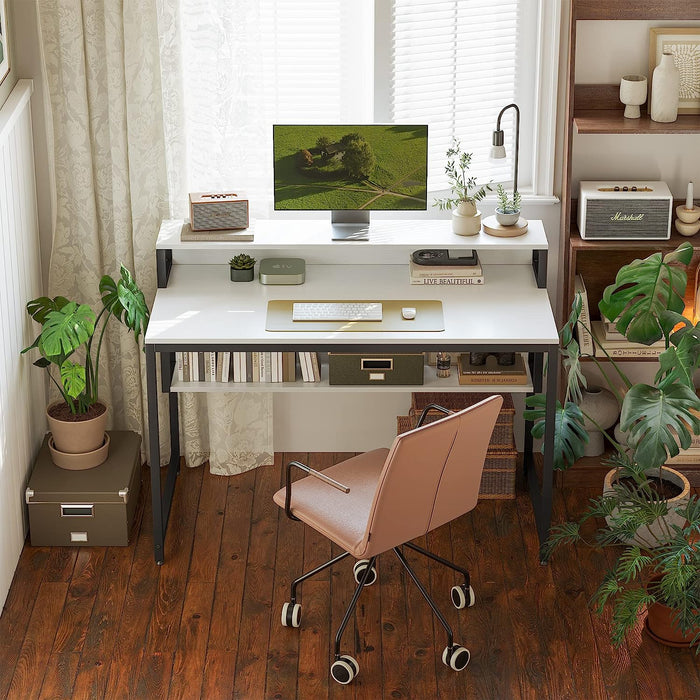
368, 642
282, 655
61, 563
154, 675
635, 10
254, 634
59, 678
38, 640
219, 673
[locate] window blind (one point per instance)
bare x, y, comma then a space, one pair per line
455, 67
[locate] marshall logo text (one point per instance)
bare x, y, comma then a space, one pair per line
619, 216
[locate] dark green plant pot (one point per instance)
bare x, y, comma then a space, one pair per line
242, 275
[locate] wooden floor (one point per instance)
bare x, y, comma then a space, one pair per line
109, 623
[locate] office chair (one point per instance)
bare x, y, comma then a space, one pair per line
380, 500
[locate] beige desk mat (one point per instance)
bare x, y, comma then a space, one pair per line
428, 317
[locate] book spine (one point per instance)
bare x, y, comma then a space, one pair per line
194, 366
186, 366
493, 379
219, 366
315, 367
447, 280
268, 366
462, 272
585, 340
304, 366
243, 367
249, 367
280, 367
274, 377
212, 366
627, 353
685, 457
202, 374
236, 367
180, 368
256, 367
225, 366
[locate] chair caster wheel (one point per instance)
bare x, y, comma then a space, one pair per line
456, 657
291, 614
344, 669
359, 569
462, 596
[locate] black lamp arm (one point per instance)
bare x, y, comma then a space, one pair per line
499, 131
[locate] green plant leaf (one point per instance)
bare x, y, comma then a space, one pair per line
40, 307
643, 291
657, 421
631, 562
570, 437
126, 301
73, 378
42, 363
110, 296
66, 330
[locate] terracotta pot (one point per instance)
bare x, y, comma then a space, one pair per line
78, 462
661, 627
78, 437
655, 532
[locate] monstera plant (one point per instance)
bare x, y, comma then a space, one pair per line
655, 524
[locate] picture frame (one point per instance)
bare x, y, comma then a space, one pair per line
4, 42
684, 43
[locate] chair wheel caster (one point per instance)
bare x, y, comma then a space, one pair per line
456, 657
344, 669
359, 569
462, 596
291, 614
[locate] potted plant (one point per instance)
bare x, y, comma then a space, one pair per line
70, 344
466, 219
242, 268
653, 521
508, 209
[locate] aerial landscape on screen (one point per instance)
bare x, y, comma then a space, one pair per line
368, 167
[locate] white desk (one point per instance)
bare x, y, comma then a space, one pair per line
201, 310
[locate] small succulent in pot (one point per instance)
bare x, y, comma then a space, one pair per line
242, 268
508, 209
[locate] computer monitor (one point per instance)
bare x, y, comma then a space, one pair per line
350, 170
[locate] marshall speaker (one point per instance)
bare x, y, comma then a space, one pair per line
631, 210
217, 211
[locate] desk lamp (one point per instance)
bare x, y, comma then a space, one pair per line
498, 151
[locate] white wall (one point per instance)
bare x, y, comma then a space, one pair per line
9, 82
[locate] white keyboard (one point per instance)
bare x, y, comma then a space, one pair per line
337, 311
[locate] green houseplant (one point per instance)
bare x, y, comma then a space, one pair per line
508, 209
69, 344
242, 268
466, 192
658, 560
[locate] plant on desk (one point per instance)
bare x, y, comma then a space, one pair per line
242, 268
66, 342
466, 219
647, 509
508, 209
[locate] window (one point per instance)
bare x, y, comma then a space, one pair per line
452, 64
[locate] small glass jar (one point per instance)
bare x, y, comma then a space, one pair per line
443, 364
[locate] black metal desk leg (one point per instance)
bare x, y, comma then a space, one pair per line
154, 453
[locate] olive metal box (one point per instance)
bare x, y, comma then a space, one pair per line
93, 507
375, 368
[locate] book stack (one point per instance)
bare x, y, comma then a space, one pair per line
610, 342
310, 366
239, 367
491, 372
187, 234
446, 274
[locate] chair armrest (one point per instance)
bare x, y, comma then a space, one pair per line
427, 410
311, 472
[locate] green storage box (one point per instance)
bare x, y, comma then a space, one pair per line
375, 368
93, 507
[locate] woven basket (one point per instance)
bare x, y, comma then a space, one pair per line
498, 477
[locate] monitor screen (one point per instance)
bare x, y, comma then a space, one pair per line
369, 167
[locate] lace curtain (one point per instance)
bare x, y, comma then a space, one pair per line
120, 164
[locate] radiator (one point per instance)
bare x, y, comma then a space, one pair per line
22, 388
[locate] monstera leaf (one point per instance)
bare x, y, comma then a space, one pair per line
643, 294
678, 363
657, 420
126, 301
39, 308
73, 378
570, 437
66, 330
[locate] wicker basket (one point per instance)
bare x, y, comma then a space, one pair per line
498, 477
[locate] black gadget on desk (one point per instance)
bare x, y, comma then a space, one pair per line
442, 256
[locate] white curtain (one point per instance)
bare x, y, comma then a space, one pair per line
118, 169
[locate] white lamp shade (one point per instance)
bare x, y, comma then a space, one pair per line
497, 152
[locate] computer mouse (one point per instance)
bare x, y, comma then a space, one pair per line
408, 312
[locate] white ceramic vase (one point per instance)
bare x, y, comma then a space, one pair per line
665, 90
466, 219
633, 92
601, 405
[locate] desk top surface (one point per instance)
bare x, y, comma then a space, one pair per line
202, 306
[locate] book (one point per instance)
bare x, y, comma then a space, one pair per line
225, 366
212, 366
274, 376
243, 369
280, 367
268, 366
236, 366
448, 280
491, 372
444, 270
306, 374
256, 366
186, 366
194, 366
180, 369
585, 341
249, 367
622, 348
315, 367
187, 234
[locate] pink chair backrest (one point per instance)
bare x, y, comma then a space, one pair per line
431, 475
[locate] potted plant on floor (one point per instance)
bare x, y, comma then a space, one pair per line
508, 209
654, 522
242, 268
466, 219
70, 344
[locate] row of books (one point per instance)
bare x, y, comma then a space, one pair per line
490, 372
271, 367
446, 274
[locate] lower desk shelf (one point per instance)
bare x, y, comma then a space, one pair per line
430, 383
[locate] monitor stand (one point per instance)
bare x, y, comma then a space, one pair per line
350, 225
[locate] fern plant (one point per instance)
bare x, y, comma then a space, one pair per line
507, 205
464, 187
66, 342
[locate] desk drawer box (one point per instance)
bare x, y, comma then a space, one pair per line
613, 211
94, 507
375, 368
